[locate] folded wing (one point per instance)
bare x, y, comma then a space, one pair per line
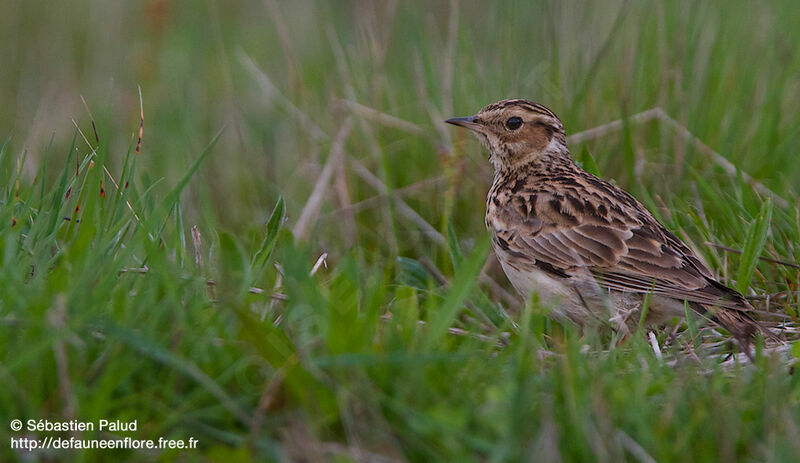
629, 252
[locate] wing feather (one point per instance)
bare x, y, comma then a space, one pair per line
627, 250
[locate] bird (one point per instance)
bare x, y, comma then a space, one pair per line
592, 252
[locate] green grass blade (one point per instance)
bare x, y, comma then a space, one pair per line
456, 256
270, 238
753, 246
587, 162
465, 279
156, 220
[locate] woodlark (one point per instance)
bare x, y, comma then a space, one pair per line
589, 249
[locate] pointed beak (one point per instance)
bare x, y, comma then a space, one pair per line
469, 122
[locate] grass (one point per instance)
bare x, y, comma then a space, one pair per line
189, 299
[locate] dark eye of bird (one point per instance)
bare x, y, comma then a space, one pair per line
513, 123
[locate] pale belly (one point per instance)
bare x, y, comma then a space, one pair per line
583, 301
555, 294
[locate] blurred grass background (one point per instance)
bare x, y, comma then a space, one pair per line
336, 366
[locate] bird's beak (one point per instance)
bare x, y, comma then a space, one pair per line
469, 122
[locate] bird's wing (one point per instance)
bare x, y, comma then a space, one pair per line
621, 244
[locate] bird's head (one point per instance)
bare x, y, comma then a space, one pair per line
517, 132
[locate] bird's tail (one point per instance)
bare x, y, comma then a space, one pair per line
741, 326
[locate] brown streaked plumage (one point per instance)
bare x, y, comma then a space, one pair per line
591, 250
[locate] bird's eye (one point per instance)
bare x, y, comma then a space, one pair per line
513, 123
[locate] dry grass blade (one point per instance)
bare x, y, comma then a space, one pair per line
765, 259
633, 447
314, 204
141, 122
721, 160
286, 42
267, 397
438, 122
499, 342
144, 269
428, 229
383, 118
105, 169
614, 126
376, 200
210, 283
345, 212
197, 243
512, 299
275, 290
321, 261
780, 295
86, 140
91, 119
402, 207
661, 115
654, 344
272, 92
